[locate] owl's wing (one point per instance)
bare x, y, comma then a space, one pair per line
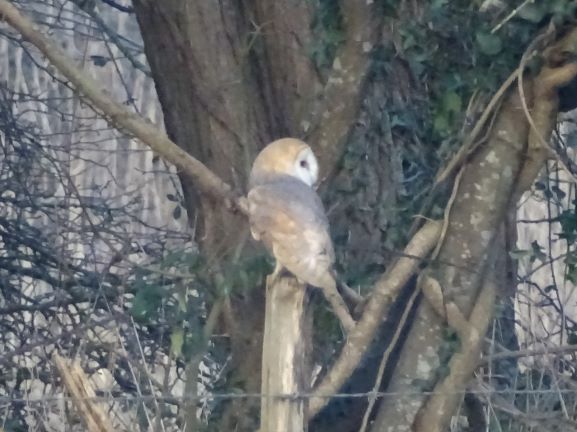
289, 218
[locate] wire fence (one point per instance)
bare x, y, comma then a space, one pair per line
289, 396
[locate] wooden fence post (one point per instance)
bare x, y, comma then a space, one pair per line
286, 357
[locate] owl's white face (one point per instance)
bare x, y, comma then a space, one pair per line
285, 157
306, 167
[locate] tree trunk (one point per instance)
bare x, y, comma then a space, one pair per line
206, 79
495, 168
232, 76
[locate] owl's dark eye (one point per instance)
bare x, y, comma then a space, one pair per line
304, 164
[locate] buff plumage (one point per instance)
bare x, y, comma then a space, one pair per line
287, 215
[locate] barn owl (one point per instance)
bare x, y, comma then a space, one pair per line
287, 215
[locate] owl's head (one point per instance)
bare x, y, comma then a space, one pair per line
286, 156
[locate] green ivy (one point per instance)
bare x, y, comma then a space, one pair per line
327, 26
457, 50
172, 294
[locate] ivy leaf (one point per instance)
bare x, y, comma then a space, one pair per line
176, 341
439, 4
441, 123
571, 273
489, 44
532, 12
452, 102
568, 222
562, 7
560, 193
181, 300
397, 120
537, 252
409, 41
147, 300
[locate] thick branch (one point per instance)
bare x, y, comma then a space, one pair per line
152, 136
543, 115
289, 80
480, 203
333, 120
382, 297
437, 413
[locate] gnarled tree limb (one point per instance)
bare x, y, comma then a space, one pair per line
495, 175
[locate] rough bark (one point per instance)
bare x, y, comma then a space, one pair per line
202, 57
496, 174
328, 127
437, 413
209, 99
231, 77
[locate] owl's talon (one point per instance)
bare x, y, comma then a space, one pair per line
353, 296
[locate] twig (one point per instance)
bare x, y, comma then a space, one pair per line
562, 349
471, 142
385, 359
339, 307
434, 416
113, 36
511, 16
447, 212
121, 8
150, 135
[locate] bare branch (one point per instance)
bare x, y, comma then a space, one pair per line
121, 8
543, 115
152, 136
386, 356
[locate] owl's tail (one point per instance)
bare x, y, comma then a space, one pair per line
339, 306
